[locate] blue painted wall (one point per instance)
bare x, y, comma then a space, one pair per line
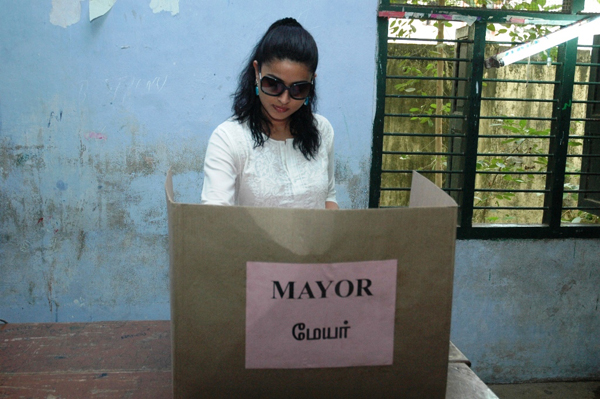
528, 310
92, 115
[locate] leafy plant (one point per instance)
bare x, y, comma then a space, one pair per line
513, 167
428, 109
402, 28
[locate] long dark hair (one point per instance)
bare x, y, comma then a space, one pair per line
286, 39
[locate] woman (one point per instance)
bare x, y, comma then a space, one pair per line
274, 151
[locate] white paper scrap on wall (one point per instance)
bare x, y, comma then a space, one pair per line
65, 12
171, 6
100, 7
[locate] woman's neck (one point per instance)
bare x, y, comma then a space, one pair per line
280, 131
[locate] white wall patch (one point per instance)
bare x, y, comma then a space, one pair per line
65, 12
171, 6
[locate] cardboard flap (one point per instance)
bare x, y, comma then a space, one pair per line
169, 186
423, 193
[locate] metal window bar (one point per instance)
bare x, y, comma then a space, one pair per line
418, 39
423, 171
549, 82
407, 189
512, 208
527, 118
422, 153
502, 154
410, 115
517, 173
423, 97
428, 78
503, 190
542, 100
582, 156
422, 135
402, 57
512, 136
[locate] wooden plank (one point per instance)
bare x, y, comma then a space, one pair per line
86, 360
140, 345
142, 385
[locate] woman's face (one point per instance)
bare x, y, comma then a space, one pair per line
279, 108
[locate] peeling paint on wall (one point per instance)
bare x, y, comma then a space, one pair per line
100, 7
171, 6
65, 12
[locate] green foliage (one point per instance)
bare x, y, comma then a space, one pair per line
513, 168
414, 86
428, 109
571, 199
402, 27
408, 86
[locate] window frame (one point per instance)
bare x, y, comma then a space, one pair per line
551, 226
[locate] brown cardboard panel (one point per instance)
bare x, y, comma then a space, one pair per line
210, 246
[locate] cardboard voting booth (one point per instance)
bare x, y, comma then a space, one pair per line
298, 303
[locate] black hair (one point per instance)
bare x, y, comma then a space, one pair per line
285, 39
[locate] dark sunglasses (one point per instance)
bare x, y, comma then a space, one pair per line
275, 87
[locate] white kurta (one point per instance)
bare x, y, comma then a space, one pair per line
274, 175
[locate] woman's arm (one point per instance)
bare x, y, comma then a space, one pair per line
331, 205
220, 172
331, 201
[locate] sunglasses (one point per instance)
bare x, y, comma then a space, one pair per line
275, 87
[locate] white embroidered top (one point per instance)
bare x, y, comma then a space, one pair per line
274, 175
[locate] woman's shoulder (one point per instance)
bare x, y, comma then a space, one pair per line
232, 134
325, 128
231, 127
321, 120
232, 130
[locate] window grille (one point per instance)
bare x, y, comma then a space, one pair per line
517, 147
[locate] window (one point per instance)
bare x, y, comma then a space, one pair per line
518, 147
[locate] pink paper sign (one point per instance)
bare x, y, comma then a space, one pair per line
320, 315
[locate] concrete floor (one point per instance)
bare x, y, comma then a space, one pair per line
554, 390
